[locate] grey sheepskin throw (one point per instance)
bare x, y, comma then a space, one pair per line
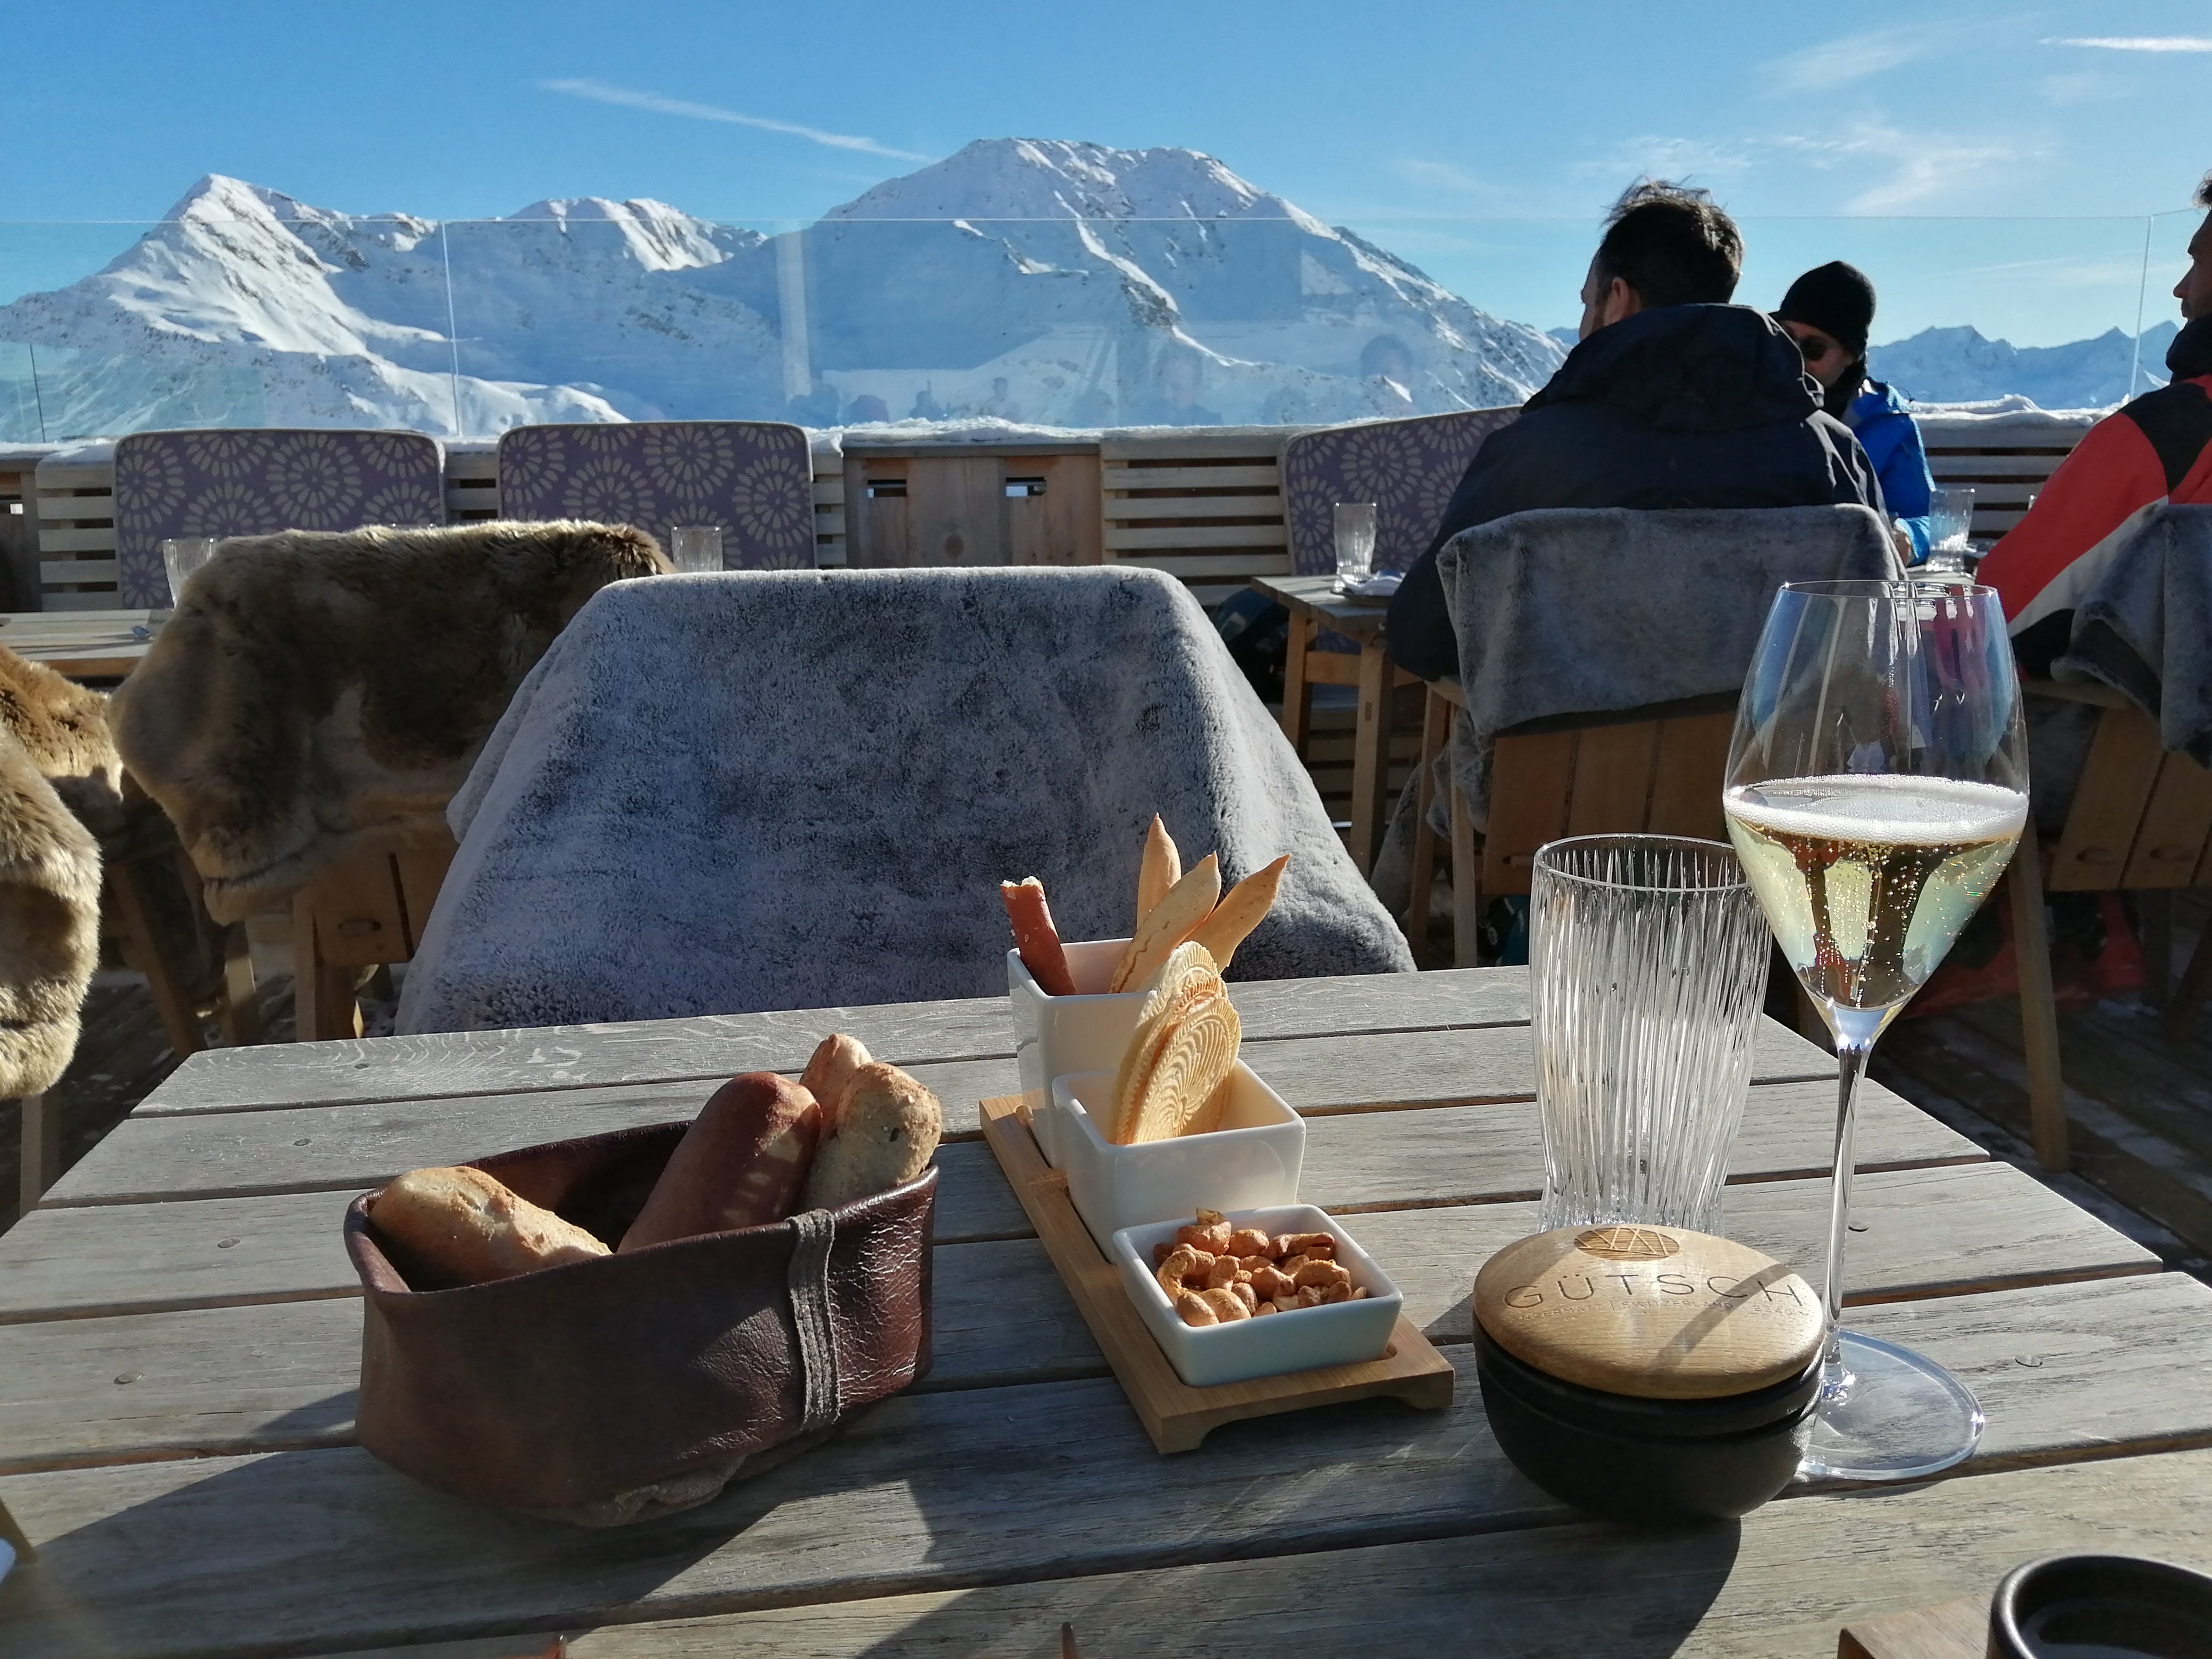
58, 770
317, 695
726, 794
2145, 626
1582, 610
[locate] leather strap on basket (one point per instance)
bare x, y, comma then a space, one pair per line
815, 1230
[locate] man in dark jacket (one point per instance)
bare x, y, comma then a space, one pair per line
1673, 398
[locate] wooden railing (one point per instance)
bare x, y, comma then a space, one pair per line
1205, 504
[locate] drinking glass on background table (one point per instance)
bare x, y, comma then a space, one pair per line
696, 547
1950, 523
1648, 959
1876, 787
1355, 543
181, 556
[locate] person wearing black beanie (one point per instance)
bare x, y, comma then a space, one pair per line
1829, 311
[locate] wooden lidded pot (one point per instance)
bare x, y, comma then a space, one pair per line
1648, 1373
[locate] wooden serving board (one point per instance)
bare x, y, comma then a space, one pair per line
1177, 1416
1956, 1630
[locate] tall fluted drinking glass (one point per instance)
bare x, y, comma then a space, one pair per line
1648, 955
1877, 785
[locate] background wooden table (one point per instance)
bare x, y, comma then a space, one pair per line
1315, 605
179, 1332
82, 644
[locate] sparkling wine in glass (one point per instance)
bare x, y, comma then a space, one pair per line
1877, 785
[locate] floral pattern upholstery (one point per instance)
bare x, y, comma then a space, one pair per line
753, 478
1408, 469
256, 483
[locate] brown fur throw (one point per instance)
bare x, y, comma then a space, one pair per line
58, 765
317, 695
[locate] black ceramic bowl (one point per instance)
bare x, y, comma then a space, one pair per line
2118, 1604
1646, 1460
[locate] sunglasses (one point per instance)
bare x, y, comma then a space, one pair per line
1818, 347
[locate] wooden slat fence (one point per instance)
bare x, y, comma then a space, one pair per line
1204, 505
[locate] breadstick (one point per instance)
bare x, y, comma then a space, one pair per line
1243, 909
1172, 921
1035, 939
1161, 869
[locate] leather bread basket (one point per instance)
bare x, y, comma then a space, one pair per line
635, 1385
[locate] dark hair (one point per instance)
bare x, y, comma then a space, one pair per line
1672, 244
2204, 192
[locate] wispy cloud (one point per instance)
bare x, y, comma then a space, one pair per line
1691, 160
1441, 177
1923, 165
2138, 42
1850, 57
599, 93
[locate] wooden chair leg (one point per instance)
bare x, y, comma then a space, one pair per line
143, 949
2039, 1011
42, 1147
1467, 896
2180, 1022
1435, 730
323, 1002
1297, 696
238, 1015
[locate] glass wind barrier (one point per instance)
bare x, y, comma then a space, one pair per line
238, 314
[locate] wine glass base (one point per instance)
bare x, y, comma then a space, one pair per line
1902, 1416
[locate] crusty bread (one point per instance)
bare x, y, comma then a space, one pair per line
460, 1226
741, 1163
830, 1073
888, 1127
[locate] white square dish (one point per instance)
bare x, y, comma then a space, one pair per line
1252, 1161
1088, 1031
1339, 1334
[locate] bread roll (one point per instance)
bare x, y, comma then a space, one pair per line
461, 1226
741, 1163
887, 1130
830, 1072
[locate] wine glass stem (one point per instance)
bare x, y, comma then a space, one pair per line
1851, 1054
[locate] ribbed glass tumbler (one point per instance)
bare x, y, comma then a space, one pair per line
1649, 956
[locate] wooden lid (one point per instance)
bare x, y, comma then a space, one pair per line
1657, 1313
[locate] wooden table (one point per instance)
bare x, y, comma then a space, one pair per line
181, 1326
1314, 606
85, 645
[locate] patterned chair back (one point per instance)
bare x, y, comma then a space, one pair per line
257, 483
753, 478
1408, 469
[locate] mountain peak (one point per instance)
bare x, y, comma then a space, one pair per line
1066, 179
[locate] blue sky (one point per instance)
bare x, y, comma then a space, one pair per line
1987, 164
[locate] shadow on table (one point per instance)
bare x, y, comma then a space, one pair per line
1015, 1488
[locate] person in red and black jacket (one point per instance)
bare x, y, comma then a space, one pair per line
2156, 449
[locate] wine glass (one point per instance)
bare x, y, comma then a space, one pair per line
1877, 785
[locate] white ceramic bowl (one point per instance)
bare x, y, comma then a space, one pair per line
1252, 1161
1054, 1036
1341, 1333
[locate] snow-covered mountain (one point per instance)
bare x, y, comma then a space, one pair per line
1041, 281
1957, 365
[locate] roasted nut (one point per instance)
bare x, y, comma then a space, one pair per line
1336, 1293
1307, 1244
1226, 1308
1247, 1241
1243, 1293
1323, 1273
1195, 1310
1273, 1283
1224, 1271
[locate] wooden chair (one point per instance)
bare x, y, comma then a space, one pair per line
368, 912
2141, 821
1657, 770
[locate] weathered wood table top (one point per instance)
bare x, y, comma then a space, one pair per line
1316, 598
179, 1332
82, 644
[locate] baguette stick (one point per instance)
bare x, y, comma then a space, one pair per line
1035, 939
1160, 870
1172, 921
1243, 909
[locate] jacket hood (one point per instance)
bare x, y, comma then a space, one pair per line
2191, 354
1690, 369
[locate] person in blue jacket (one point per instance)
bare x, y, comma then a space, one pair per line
1829, 311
